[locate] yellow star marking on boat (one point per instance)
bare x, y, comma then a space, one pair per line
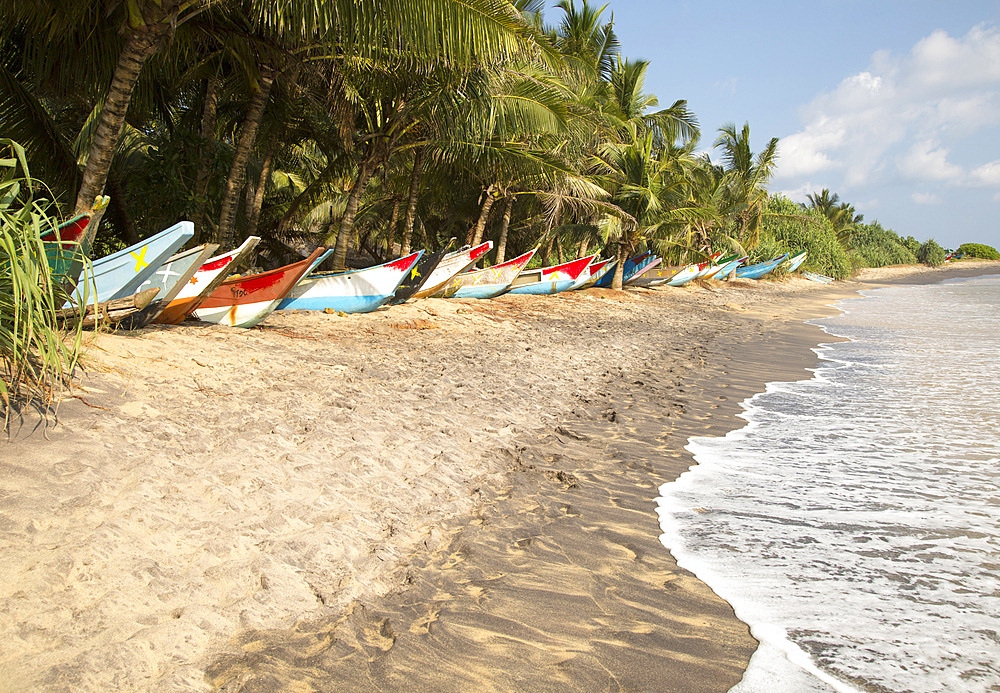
414, 273
140, 259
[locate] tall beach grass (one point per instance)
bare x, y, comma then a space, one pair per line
37, 355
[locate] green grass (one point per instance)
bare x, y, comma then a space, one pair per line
36, 354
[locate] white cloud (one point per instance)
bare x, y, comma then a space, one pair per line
926, 199
987, 175
925, 161
902, 118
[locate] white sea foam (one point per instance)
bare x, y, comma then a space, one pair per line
854, 523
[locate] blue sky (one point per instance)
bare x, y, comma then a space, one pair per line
892, 104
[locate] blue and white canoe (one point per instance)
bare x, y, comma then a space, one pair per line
597, 270
550, 280
357, 291
685, 275
730, 267
486, 283
632, 266
120, 274
794, 261
760, 269
817, 277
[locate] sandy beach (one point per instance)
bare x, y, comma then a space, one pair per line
448, 495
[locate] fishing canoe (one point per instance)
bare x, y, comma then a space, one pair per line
760, 269
641, 269
595, 270
170, 278
549, 280
705, 266
204, 281
486, 283
817, 277
245, 301
418, 275
628, 271
451, 265
120, 274
717, 265
795, 261
730, 267
686, 274
355, 291
584, 275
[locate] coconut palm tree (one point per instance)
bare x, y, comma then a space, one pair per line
747, 177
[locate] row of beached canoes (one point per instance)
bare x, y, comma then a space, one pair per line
192, 283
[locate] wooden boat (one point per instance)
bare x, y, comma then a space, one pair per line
355, 291
486, 283
418, 275
760, 269
717, 265
107, 312
245, 301
170, 278
549, 280
120, 274
651, 262
817, 277
706, 265
204, 281
596, 270
686, 274
450, 265
628, 271
795, 261
730, 267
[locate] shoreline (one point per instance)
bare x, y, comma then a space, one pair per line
305, 509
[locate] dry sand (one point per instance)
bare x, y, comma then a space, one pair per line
445, 495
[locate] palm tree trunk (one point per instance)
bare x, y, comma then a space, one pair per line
258, 197
504, 225
390, 237
411, 207
618, 280
208, 119
369, 164
139, 45
584, 244
476, 232
237, 172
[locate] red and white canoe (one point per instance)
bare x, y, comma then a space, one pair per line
206, 280
450, 265
245, 301
550, 280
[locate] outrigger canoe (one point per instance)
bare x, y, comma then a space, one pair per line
205, 280
795, 261
355, 291
450, 265
120, 274
730, 267
486, 283
245, 301
717, 265
550, 280
650, 263
170, 278
760, 269
418, 275
817, 277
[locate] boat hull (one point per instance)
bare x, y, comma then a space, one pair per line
550, 280
486, 283
760, 269
796, 261
451, 265
245, 301
418, 275
120, 274
205, 280
357, 291
170, 278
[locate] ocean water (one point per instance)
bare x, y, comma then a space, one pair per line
854, 522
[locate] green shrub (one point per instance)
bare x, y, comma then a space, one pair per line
793, 228
979, 250
930, 253
875, 246
35, 354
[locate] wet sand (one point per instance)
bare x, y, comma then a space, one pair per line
446, 495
